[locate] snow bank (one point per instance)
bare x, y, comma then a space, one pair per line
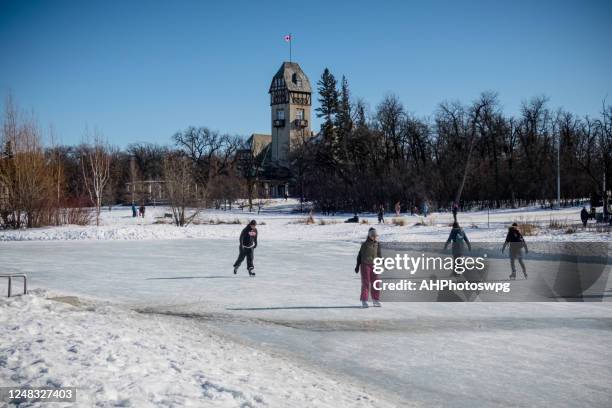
121, 358
281, 220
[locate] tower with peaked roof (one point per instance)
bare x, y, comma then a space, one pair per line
268, 156
290, 106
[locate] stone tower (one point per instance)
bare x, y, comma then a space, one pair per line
290, 103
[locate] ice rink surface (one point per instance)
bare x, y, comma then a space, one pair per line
304, 304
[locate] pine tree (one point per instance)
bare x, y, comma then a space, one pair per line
344, 123
360, 115
328, 99
343, 117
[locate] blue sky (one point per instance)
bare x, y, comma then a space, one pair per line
141, 70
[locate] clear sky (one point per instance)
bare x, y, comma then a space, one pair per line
141, 70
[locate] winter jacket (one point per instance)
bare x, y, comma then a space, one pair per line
516, 242
584, 215
457, 237
369, 250
248, 237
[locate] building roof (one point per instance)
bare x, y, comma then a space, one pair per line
258, 142
293, 78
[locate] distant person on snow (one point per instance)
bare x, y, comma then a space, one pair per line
455, 209
134, 213
353, 219
458, 238
398, 209
381, 214
516, 242
425, 210
584, 216
142, 211
369, 250
248, 243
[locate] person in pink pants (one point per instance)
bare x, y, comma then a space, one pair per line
370, 249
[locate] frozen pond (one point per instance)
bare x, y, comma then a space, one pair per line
303, 303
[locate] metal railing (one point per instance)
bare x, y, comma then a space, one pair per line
10, 281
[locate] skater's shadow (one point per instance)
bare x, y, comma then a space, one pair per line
293, 308
192, 277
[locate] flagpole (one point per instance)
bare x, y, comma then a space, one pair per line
290, 41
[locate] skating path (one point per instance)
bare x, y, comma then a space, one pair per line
303, 303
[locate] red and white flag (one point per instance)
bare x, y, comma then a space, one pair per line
288, 38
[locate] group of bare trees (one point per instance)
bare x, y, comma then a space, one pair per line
200, 170
34, 180
52, 185
470, 153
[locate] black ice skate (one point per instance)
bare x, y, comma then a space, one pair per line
251, 273
513, 276
235, 270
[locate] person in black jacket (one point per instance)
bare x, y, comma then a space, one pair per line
248, 243
516, 242
584, 216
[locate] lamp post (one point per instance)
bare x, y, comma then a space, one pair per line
558, 206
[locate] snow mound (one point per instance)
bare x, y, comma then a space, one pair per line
121, 358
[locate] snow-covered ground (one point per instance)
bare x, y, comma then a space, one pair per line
164, 318
119, 358
280, 219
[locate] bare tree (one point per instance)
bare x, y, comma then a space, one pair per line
25, 175
181, 189
95, 165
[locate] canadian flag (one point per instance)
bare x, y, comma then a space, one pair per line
288, 38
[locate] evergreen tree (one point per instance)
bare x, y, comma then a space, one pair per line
360, 115
328, 99
344, 122
343, 117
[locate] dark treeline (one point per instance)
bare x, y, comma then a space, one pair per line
470, 153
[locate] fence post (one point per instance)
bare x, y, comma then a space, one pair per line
9, 286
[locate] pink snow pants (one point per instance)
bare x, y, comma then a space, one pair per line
367, 282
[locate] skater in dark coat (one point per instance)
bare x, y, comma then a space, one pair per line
248, 243
458, 239
584, 216
381, 214
370, 249
455, 209
516, 242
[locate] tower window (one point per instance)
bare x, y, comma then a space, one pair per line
299, 114
280, 114
296, 80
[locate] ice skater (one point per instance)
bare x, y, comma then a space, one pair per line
584, 217
455, 209
381, 214
459, 240
369, 250
248, 243
515, 240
